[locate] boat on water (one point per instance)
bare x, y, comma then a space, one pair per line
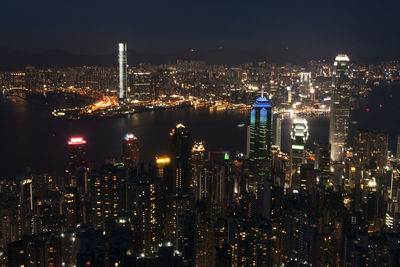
241, 125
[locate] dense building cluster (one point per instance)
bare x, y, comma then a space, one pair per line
308, 87
330, 204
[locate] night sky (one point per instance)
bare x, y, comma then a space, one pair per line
312, 28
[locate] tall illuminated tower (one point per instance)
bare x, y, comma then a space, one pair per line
122, 70
260, 141
299, 136
340, 107
130, 150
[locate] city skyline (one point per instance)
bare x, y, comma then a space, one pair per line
229, 134
102, 81
245, 177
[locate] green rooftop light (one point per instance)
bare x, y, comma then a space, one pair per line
297, 147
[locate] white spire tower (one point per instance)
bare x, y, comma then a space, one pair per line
123, 61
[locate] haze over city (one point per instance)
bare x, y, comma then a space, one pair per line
307, 29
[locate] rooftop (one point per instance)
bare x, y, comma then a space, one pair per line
262, 102
76, 141
342, 57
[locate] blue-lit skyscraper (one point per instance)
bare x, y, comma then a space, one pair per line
122, 70
260, 141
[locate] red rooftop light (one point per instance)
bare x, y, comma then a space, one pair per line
76, 141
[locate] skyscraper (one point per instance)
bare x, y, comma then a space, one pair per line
77, 154
122, 71
107, 193
260, 141
199, 170
340, 107
299, 136
277, 126
143, 201
181, 153
70, 208
130, 150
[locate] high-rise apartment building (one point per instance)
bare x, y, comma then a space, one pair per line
70, 208
108, 193
143, 199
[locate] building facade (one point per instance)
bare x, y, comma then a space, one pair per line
260, 141
122, 70
340, 107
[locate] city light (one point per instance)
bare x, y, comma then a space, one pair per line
76, 141
130, 136
163, 160
287, 125
342, 57
198, 147
299, 147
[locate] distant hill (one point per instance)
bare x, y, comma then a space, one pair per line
13, 59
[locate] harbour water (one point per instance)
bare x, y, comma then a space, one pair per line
30, 136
